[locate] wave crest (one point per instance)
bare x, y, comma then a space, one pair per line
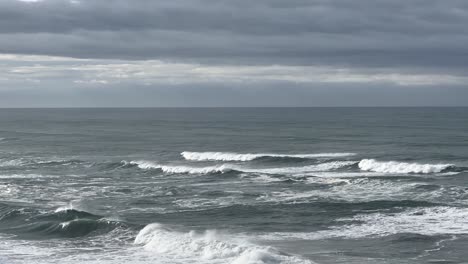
401, 167
181, 169
231, 156
146, 165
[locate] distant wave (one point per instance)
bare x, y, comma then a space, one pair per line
401, 167
230, 156
209, 245
19, 162
368, 167
180, 169
229, 167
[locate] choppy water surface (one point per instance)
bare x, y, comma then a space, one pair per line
312, 185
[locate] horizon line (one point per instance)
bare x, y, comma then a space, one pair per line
208, 107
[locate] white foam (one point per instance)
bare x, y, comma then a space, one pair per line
365, 190
206, 247
229, 167
231, 156
12, 163
401, 167
341, 174
26, 176
182, 169
425, 221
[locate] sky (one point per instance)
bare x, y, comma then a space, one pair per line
235, 53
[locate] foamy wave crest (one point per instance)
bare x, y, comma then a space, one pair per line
230, 156
401, 167
181, 169
207, 247
328, 166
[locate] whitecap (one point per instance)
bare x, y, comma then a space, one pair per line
401, 167
230, 167
231, 156
182, 169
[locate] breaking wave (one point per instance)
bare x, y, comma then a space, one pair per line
207, 247
401, 167
145, 165
230, 156
229, 167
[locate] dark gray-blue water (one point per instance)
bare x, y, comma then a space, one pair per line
246, 185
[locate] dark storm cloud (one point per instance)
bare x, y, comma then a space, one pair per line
364, 33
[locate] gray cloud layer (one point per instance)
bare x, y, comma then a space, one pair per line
233, 52
364, 33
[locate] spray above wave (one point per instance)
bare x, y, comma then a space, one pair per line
230, 156
207, 247
401, 167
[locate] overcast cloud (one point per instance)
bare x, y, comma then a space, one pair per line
234, 53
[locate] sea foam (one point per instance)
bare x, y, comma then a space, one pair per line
230, 156
401, 167
328, 166
432, 221
181, 169
207, 247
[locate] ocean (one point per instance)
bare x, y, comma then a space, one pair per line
234, 185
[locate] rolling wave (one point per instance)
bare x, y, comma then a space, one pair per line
209, 247
230, 156
229, 167
367, 168
180, 169
64, 222
402, 167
